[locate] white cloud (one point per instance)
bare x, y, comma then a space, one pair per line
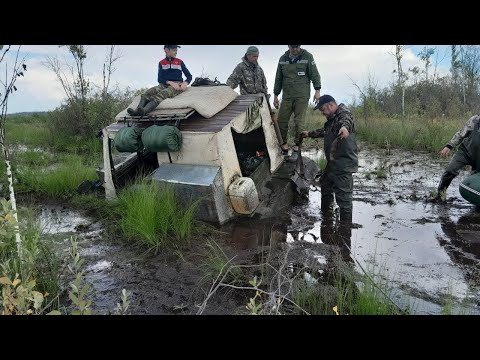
339, 66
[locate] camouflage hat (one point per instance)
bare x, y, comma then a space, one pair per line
171, 46
252, 50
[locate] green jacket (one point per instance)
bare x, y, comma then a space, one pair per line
294, 77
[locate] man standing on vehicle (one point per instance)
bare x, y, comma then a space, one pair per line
296, 69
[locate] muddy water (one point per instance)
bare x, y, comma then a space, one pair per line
426, 251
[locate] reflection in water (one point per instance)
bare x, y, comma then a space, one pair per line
464, 236
338, 234
251, 234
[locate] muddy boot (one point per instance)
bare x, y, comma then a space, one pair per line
346, 217
149, 107
141, 104
328, 210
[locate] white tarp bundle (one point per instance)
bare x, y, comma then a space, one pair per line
206, 100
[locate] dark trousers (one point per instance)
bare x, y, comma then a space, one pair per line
338, 187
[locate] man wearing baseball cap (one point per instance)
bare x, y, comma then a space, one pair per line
341, 153
170, 82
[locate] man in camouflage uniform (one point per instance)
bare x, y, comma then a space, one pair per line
170, 82
249, 75
296, 69
341, 153
468, 153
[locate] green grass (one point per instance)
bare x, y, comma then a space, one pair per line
412, 134
152, 214
55, 182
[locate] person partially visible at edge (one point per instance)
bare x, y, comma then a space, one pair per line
170, 82
296, 69
468, 153
249, 75
342, 157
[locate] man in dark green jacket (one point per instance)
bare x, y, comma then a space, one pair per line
468, 153
296, 69
341, 153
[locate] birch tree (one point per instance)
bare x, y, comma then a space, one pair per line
11, 74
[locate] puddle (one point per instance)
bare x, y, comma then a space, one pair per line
427, 251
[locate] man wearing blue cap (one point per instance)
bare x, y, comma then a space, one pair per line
341, 153
170, 82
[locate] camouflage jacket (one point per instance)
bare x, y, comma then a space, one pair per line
250, 77
294, 77
464, 132
341, 154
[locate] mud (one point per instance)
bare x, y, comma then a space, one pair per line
427, 251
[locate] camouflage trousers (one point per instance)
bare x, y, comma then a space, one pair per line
297, 107
160, 92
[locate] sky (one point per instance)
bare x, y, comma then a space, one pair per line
340, 67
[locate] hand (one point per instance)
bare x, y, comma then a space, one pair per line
304, 134
174, 85
444, 152
275, 101
343, 132
183, 86
316, 96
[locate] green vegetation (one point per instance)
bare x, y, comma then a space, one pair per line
152, 214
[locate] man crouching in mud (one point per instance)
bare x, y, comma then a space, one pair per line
341, 153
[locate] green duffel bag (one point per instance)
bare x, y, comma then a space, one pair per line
162, 138
129, 139
470, 189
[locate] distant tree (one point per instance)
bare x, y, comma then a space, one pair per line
8, 88
401, 75
425, 56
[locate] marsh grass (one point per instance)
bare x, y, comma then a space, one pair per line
414, 133
152, 214
61, 181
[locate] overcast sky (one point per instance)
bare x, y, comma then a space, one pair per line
339, 67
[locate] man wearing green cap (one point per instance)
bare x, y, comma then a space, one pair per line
249, 75
296, 69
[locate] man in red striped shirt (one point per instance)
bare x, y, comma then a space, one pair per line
170, 82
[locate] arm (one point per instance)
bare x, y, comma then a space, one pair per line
346, 121
463, 132
314, 76
459, 136
187, 73
316, 133
161, 78
277, 87
234, 79
264, 84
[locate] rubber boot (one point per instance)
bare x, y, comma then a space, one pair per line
346, 217
141, 104
149, 107
445, 182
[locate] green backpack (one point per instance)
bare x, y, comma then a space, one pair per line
129, 139
162, 138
